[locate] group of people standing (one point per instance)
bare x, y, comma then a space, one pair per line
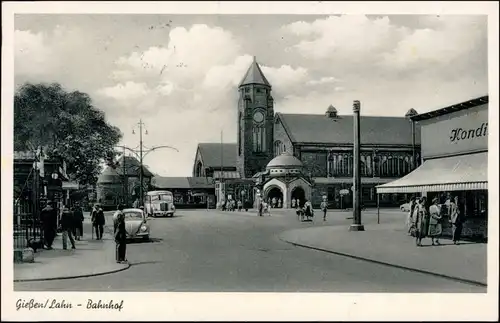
427, 221
69, 222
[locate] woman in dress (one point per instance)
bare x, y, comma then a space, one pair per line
409, 220
421, 221
435, 228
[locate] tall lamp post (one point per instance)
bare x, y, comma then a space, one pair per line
141, 154
356, 225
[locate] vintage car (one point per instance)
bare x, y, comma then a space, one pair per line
405, 207
136, 224
159, 203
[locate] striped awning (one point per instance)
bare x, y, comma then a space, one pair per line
457, 173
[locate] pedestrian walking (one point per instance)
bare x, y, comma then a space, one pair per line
98, 221
435, 228
48, 215
324, 207
79, 218
240, 205
120, 233
293, 203
67, 223
273, 201
409, 219
279, 203
456, 220
308, 210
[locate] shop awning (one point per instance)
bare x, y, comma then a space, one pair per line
457, 173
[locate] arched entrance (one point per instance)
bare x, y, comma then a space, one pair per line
298, 193
275, 193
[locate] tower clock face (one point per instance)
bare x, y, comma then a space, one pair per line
258, 117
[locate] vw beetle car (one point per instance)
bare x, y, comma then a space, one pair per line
136, 224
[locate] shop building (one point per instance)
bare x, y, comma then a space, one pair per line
454, 145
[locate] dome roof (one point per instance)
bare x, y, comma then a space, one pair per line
109, 176
285, 160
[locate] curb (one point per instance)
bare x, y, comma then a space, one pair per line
73, 277
462, 280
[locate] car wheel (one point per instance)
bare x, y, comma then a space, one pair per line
146, 238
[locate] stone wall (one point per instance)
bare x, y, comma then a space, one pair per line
281, 135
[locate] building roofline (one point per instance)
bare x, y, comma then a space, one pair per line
285, 126
452, 108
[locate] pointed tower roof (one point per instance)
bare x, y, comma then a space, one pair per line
254, 75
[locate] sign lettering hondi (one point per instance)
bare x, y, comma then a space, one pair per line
458, 134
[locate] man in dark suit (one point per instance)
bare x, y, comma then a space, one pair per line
120, 235
48, 216
98, 221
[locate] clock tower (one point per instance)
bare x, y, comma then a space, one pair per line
255, 122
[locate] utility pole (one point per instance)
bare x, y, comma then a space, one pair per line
141, 171
125, 180
356, 225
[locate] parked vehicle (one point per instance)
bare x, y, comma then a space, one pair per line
405, 207
159, 203
136, 224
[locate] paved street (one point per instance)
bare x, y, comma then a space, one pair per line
213, 251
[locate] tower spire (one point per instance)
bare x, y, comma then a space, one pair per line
254, 75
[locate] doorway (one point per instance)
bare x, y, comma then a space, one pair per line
298, 193
275, 195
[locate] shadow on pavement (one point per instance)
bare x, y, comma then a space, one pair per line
145, 263
139, 241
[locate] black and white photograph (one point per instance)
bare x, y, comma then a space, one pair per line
257, 151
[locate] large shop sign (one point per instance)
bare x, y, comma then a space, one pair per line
459, 132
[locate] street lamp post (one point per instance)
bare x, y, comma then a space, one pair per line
356, 225
141, 154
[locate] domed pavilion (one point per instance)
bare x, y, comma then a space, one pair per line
285, 180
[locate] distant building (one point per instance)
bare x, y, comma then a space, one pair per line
455, 163
306, 155
122, 183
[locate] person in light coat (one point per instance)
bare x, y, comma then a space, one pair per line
435, 228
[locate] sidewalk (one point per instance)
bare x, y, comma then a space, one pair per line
90, 258
390, 245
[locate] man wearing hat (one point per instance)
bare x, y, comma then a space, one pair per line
48, 215
435, 228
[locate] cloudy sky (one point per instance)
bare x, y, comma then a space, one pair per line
179, 72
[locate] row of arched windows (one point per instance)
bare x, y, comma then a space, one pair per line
342, 164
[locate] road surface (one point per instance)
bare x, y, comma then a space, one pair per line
214, 251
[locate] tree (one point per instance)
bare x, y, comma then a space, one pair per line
67, 126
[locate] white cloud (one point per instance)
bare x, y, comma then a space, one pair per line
344, 36
451, 40
324, 80
124, 92
31, 53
